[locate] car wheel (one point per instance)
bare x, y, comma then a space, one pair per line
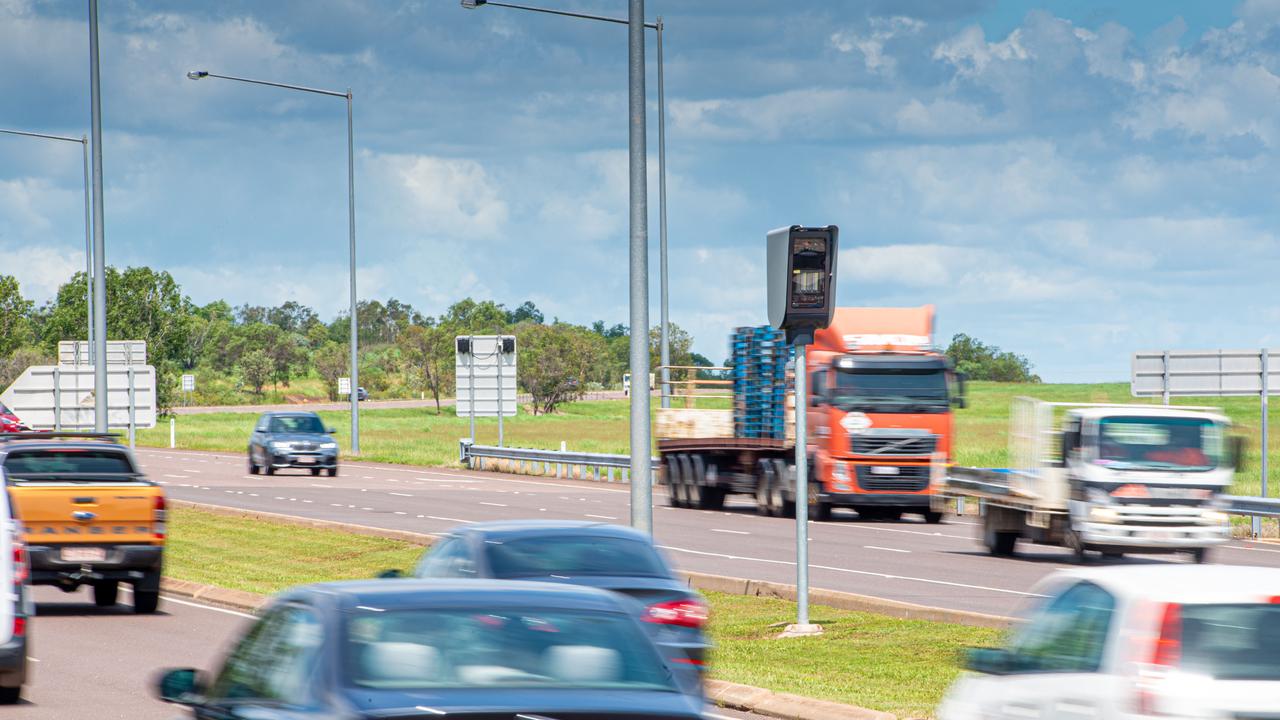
315, 472
253, 467
145, 602
269, 469
932, 517
10, 695
333, 471
105, 594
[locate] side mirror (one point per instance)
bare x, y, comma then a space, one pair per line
330, 430
989, 661
183, 686
389, 574
960, 400
1237, 453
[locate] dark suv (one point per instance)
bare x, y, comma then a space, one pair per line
292, 440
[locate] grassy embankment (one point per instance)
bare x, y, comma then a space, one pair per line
865, 659
421, 437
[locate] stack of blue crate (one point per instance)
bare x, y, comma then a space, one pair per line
760, 356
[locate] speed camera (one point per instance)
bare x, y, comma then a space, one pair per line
801, 272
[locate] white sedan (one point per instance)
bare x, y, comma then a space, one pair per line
1173, 642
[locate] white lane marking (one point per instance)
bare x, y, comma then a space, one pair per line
600, 517
877, 547
335, 504
885, 576
398, 512
320, 486
449, 519
493, 504
225, 611
1247, 548
878, 528
191, 470
176, 477
366, 508
33, 659
400, 494
731, 532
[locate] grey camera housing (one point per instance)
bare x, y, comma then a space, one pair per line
801, 270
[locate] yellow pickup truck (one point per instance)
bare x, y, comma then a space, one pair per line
88, 515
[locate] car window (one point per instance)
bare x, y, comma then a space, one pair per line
500, 647
55, 465
262, 424
1067, 634
276, 661
449, 559
296, 424
573, 555
1231, 642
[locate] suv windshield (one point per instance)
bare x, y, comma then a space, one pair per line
500, 648
891, 390
1154, 443
1232, 642
573, 555
66, 464
296, 424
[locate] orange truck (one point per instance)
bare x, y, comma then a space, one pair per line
881, 398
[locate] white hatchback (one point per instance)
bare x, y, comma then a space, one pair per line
1173, 642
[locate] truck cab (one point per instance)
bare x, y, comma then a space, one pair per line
880, 417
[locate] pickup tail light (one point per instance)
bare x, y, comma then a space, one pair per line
684, 613
21, 571
19, 625
20, 566
158, 516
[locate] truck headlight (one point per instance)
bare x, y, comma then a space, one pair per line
840, 472
1104, 515
1214, 517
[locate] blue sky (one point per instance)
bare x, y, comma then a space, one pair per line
1072, 180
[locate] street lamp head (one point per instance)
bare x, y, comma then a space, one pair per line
197, 74
472, 4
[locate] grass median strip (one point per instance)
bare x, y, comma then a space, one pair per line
899, 666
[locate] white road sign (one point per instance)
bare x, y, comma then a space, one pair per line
344, 386
485, 369
62, 396
188, 383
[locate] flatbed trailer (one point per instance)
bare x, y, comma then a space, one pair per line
701, 472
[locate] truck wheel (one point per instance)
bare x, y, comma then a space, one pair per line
785, 507
669, 479
687, 489
712, 494
1075, 544
106, 593
1001, 543
932, 517
1200, 556
764, 483
10, 695
822, 511
145, 602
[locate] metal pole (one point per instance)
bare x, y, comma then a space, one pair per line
802, 488
173, 432
355, 340
99, 254
471, 383
57, 399
1165, 379
1266, 390
88, 246
500, 408
133, 405
665, 346
641, 478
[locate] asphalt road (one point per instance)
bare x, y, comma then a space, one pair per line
97, 663
937, 565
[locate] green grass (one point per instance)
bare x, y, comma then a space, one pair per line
899, 666
421, 437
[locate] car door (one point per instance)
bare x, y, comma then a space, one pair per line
275, 670
1056, 661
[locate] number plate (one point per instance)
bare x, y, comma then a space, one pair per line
884, 470
90, 554
305, 460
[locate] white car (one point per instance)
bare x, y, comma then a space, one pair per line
1167, 642
16, 607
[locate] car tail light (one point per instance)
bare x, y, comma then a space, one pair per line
158, 515
20, 566
19, 625
1165, 656
684, 613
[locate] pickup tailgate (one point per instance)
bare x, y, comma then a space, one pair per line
83, 496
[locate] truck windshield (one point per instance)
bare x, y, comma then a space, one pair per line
1156, 443
891, 390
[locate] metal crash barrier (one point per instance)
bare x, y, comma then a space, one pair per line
546, 463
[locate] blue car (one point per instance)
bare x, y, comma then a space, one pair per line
480, 650
594, 554
283, 440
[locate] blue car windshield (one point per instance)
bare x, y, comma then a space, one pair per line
569, 555
296, 424
506, 647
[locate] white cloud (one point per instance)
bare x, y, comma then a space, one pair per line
440, 196
40, 270
971, 54
872, 44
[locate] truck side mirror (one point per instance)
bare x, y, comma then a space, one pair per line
1070, 441
960, 400
1237, 453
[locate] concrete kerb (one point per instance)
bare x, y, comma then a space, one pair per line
723, 693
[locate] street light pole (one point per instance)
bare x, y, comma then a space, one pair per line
100, 389
88, 231
641, 480
351, 228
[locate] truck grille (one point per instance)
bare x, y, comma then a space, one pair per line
910, 478
893, 445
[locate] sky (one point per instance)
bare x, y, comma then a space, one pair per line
1072, 180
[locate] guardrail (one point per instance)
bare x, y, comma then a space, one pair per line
1255, 506
549, 463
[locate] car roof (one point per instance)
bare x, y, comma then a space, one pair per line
549, 528
1189, 584
1156, 411
291, 413
402, 594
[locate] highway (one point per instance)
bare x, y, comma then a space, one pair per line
937, 565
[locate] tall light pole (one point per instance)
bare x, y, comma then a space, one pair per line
99, 331
88, 223
351, 229
641, 485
